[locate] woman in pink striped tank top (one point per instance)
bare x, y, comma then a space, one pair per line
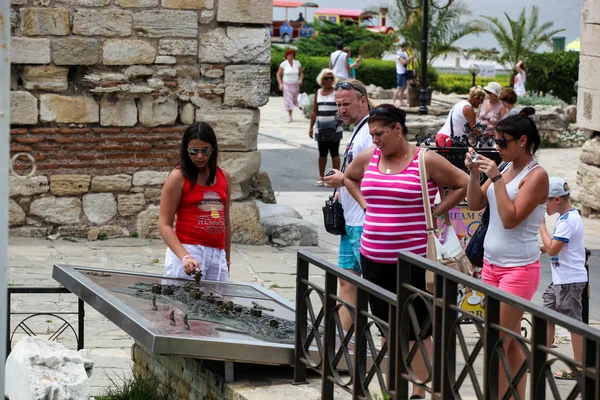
385, 181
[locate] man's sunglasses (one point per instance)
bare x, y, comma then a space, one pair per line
503, 143
205, 151
347, 86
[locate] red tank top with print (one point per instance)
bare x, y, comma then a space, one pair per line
201, 213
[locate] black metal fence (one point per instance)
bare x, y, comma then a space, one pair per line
351, 360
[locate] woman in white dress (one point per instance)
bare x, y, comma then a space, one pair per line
289, 77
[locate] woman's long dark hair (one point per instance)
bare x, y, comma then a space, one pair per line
521, 125
388, 114
201, 131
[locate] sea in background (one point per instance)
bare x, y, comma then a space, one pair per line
566, 14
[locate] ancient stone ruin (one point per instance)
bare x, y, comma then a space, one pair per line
101, 91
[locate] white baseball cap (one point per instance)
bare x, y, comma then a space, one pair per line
558, 187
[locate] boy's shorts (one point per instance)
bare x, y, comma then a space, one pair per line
566, 299
349, 253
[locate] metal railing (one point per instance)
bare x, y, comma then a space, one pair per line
446, 377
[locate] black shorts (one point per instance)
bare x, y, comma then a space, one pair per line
329, 147
385, 275
410, 75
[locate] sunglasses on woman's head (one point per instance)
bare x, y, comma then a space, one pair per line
503, 143
205, 151
383, 111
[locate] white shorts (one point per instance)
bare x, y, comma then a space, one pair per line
213, 263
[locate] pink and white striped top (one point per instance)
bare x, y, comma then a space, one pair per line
395, 220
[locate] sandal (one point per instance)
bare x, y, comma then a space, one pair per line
320, 183
564, 374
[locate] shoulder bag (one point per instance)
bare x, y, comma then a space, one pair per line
333, 213
450, 253
326, 130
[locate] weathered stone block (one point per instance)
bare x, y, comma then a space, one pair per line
127, 52
16, 215
590, 12
207, 16
153, 194
29, 51
245, 224
69, 185
75, 51
291, 231
131, 204
64, 210
247, 85
117, 112
150, 178
590, 152
246, 12
161, 111
64, 109
44, 21
85, 3
99, 207
588, 108
165, 60
102, 22
212, 103
166, 23
107, 231
18, 2
236, 130
241, 165
235, 45
111, 183
588, 180
136, 3
46, 77
186, 114
188, 4
23, 108
178, 47
28, 186
589, 36
147, 223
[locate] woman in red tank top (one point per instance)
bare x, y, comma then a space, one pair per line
196, 196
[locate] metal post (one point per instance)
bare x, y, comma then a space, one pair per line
423, 96
4, 152
473, 85
327, 388
81, 324
301, 322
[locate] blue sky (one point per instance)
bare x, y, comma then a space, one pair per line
566, 14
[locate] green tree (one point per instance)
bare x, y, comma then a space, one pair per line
518, 40
446, 26
359, 39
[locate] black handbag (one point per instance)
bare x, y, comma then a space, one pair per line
333, 212
326, 130
474, 250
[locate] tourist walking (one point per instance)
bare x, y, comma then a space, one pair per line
354, 64
491, 109
353, 107
325, 126
461, 114
566, 249
338, 62
509, 98
386, 183
197, 194
289, 77
402, 59
516, 198
520, 79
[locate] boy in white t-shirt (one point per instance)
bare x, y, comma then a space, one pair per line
569, 276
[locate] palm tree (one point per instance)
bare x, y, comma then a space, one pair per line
446, 26
518, 40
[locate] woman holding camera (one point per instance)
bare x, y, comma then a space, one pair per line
325, 126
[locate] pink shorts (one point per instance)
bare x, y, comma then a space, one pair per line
520, 281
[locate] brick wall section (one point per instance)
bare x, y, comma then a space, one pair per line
91, 149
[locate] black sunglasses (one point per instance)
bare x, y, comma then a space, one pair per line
503, 143
328, 78
383, 111
347, 86
205, 151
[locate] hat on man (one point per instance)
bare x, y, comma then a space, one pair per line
558, 187
493, 88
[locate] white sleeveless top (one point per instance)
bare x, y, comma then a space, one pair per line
339, 66
518, 246
458, 120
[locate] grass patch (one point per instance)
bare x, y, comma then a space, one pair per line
102, 236
15, 284
69, 239
138, 387
276, 286
133, 235
155, 261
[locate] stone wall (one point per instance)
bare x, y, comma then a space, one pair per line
588, 106
101, 91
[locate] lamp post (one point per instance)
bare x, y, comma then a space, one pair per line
415, 4
474, 70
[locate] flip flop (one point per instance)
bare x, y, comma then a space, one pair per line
320, 184
565, 375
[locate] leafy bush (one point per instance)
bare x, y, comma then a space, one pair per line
462, 83
139, 387
553, 72
548, 99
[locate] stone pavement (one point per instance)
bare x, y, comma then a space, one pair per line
31, 260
